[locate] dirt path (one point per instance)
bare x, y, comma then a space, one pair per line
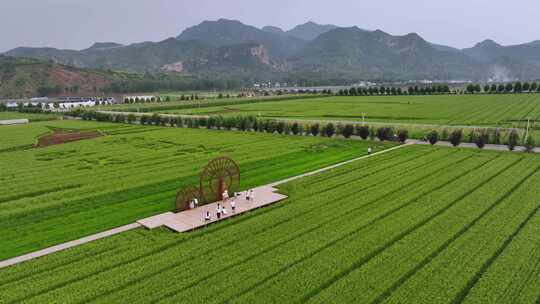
64, 246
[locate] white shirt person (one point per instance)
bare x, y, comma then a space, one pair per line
219, 210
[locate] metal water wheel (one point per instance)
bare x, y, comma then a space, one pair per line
220, 174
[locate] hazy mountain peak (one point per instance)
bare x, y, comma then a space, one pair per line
485, 51
104, 46
310, 30
228, 21
488, 43
379, 33
224, 32
414, 37
274, 30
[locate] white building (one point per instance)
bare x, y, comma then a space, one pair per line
141, 97
11, 104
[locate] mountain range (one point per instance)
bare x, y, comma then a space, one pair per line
307, 54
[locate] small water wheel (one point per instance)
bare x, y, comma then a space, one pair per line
184, 198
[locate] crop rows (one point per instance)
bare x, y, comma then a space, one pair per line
420, 224
486, 110
255, 227
67, 191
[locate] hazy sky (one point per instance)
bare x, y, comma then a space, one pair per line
76, 24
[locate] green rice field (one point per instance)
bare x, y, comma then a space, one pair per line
504, 110
29, 116
418, 224
64, 192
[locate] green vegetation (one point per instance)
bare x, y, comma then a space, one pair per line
25, 77
419, 115
478, 110
30, 116
55, 194
22, 137
173, 106
420, 224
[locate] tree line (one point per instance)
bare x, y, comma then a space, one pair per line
382, 90
22, 108
480, 137
517, 87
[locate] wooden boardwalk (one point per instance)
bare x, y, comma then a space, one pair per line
195, 218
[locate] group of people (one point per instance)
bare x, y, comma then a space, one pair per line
221, 210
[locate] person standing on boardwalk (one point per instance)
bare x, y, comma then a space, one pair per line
251, 195
218, 211
233, 206
207, 217
369, 150
225, 195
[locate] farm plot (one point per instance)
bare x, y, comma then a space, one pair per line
63, 192
34, 117
19, 137
419, 224
478, 110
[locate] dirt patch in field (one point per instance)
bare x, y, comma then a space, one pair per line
62, 137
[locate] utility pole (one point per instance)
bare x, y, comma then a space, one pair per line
527, 132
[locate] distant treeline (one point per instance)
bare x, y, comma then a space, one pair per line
22, 108
382, 90
517, 87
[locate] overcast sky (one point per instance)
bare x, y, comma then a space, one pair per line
76, 24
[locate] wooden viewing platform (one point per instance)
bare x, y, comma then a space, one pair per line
192, 219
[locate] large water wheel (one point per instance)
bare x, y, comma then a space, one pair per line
220, 174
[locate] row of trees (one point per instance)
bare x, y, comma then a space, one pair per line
22, 108
251, 123
480, 137
158, 99
414, 90
145, 100
517, 87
